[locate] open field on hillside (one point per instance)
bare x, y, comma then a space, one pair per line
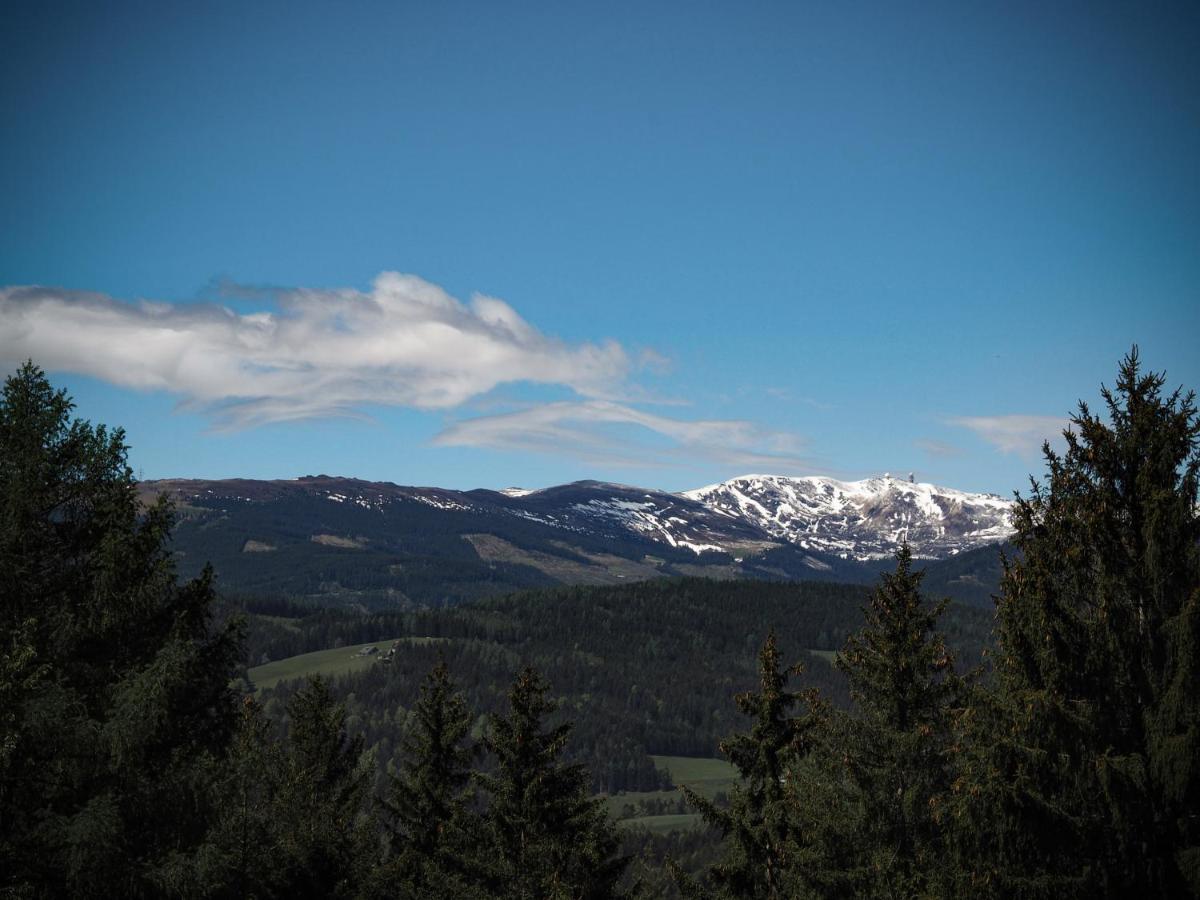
707, 777
338, 661
664, 824
704, 776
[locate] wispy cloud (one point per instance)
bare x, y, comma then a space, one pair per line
1019, 434
607, 432
406, 342
939, 449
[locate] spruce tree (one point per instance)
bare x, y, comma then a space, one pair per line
292, 814
241, 854
328, 836
897, 747
426, 809
116, 684
762, 824
543, 835
1083, 771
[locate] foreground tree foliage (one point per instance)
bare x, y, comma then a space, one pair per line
114, 682
1082, 776
326, 834
761, 825
897, 748
836, 804
543, 835
1074, 772
427, 813
129, 766
289, 818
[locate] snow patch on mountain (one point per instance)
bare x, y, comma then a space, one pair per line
866, 519
646, 517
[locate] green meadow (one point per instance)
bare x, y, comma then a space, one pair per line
706, 777
337, 661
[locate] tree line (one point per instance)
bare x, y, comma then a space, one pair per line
625, 662
640, 668
131, 764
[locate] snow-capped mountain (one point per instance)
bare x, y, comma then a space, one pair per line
606, 508
375, 543
861, 519
853, 520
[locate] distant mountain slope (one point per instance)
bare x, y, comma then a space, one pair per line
604, 508
345, 541
861, 519
375, 544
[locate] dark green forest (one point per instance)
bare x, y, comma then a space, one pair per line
1049, 747
636, 667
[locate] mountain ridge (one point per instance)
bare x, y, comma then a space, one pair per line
860, 520
336, 541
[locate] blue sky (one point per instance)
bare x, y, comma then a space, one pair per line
663, 244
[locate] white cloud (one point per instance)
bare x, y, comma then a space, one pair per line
607, 432
406, 342
1023, 435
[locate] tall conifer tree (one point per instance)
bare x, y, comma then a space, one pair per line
328, 835
117, 685
426, 811
544, 835
240, 856
762, 824
897, 746
292, 816
1084, 772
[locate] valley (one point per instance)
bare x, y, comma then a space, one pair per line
644, 670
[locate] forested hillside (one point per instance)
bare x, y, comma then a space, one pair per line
642, 669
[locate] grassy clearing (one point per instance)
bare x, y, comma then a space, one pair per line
601, 568
328, 663
616, 803
830, 656
705, 776
664, 824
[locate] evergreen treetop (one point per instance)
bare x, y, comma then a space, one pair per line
1086, 769
544, 835
426, 809
117, 684
761, 823
898, 744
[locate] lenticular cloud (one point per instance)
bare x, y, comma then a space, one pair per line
406, 342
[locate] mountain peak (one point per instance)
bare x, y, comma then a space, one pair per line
865, 519
517, 491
